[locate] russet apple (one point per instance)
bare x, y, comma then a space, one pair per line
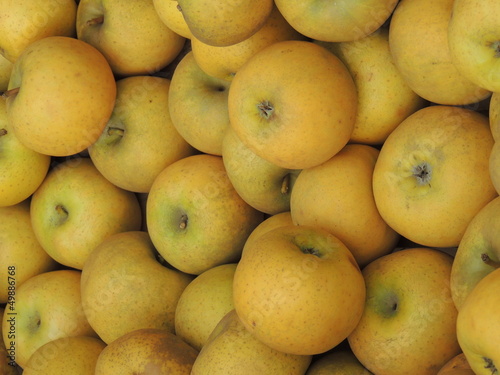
409, 320
432, 174
61, 94
294, 104
298, 289
139, 140
76, 207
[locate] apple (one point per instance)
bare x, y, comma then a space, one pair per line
61, 94
76, 207
458, 365
494, 165
195, 217
262, 184
171, 15
418, 40
23, 169
124, 265
284, 91
224, 22
24, 22
5, 71
478, 326
474, 41
197, 103
298, 289
338, 21
232, 349
47, 307
494, 115
76, 355
384, 97
432, 174
146, 351
203, 303
6, 366
22, 256
337, 362
130, 34
139, 140
273, 221
409, 319
337, 196
478, 252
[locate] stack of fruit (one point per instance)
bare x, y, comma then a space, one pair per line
253, 187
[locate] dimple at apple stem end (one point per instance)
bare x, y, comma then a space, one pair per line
10, 93
115, 132
62, 212
310, 250
183, 222
490, 262
266, 109
95, 21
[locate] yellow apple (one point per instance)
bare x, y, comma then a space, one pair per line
23, 169
232, 350
408, 325
25, 21
7, 367
262, 184
494, 165
125, 287
336, 21
197, 104
76, 207
48, 306
61, 94
203, 303
478, 252
418, 40
5, 71
223, 62
298, 289
474, 41
170, 14
384, 97
21, 255
139, 140
432, 174
146, 351
130, 34
76, 355
494, 115
195, 217
277, 220
294, 104
224, 22
337, 196
337, 362
478, 327
458, 365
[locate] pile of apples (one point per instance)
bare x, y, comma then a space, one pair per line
253, 187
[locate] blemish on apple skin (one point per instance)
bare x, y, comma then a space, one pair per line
490, 365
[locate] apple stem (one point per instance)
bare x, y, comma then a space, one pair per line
266, 109
285, 184
61, 210
183, 222
95, 21
115, 131
10, 93
3, 132
490, 262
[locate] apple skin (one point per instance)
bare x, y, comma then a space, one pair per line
458, 365
5, 71
67, 71
482, 237
478, 327
6, 367
337, 362
131, 35
76, 207
409, 321
298, 289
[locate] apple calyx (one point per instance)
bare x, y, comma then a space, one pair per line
496, 47
490, 365
490, 262
311, 250
266, 109
422, 173
10, 93
95, 21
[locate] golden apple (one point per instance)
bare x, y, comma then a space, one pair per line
171, 15
277, 220
76, 207
125, 287
432, 174
139, 140
130, 34
408, 325
5, 71
203, 303
458, 365
337, 196
195, 217
478, 327
76, 355
494, 115
494, 165
61, 95
294, 104
298, 289
337, 362
146, 351
418, 40
232, 350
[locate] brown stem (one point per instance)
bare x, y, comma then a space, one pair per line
115, 131
95, 21
10, 93
285, 184
490, 262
